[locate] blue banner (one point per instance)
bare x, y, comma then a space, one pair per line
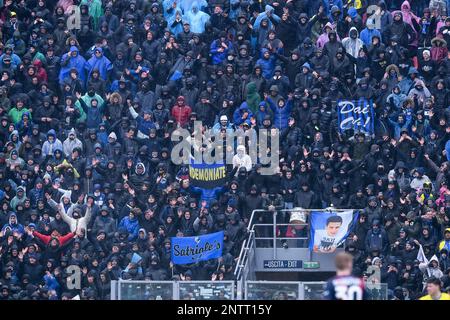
356, 115
186, 250
207, 176
330, 229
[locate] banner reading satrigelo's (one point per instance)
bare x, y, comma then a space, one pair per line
186, 250
330, 229
356, 115
207, 176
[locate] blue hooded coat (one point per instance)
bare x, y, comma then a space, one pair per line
69, 62
280, 115
263, 15
178, 27
267, 65
102, 64
49, 148
131, 226
262, 113
237, 115
198, 19
219, 57
14, 227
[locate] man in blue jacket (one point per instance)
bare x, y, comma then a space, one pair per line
220, 48
267, 63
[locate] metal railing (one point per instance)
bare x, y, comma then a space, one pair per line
273, 290
227, 290
172, 290
254, 238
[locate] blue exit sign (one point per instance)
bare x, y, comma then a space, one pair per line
283, 264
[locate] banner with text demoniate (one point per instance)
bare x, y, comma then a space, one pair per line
357, 115
186, 250
207, 176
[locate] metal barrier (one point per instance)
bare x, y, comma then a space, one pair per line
226, 290
172, 290
206, 290
146, 290
272, 290
313, 290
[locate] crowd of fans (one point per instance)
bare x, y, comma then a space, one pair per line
91, 91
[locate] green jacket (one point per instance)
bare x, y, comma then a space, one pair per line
16, 115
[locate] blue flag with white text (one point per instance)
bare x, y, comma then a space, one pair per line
357, 115
186, 250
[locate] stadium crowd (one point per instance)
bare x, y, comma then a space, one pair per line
91, 91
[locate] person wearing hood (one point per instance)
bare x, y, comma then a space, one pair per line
431, 268
401, 29
13, 225
419, 92
445, 243
72, 217
396, 98
220, 48
98, 62
104, 222
72, 60
95, 11
130, 224
269, 15
18, 110
51, 144
94, 111
144, 123
71, 143
305, 24
281, 110
377, 238
242, 114
181, 112
242, 159
420, 178
197, 19
369, 32
352, 44
110, 18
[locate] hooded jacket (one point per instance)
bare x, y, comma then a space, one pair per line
49, 148
104, 223
445, 244
267, 65
197, 20
352, 46
13, 227
280, 115
69, 62
181, 114
69, 145
75, 224
263, 15
102, 64
429, 271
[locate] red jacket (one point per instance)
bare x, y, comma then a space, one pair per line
181, 114
40, 71
46, 239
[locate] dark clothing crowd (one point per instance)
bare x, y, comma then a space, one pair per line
91, 92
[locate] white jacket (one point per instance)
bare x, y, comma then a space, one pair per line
75, 224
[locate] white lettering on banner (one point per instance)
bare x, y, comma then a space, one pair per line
355, 115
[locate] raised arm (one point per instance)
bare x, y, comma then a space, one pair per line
133, 112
